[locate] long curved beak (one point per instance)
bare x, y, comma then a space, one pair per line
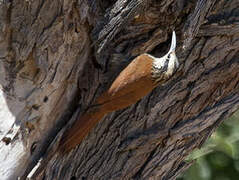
173, 43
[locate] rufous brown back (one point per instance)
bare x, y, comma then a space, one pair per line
133, 83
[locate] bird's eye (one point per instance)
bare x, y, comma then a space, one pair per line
169, 56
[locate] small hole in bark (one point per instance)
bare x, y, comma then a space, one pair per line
45, 99
6, 140
33, 147
73, 178
36, 107
191, 85
83, 178
70, 25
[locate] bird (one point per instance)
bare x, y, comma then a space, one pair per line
138, 79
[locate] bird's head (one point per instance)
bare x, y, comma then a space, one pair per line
167, 64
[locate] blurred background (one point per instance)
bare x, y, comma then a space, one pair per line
218, 159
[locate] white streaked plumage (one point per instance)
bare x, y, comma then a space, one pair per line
165, 66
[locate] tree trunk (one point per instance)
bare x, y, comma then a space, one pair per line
58, 56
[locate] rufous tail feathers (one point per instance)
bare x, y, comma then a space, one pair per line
81, 127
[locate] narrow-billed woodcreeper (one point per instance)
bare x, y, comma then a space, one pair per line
138, 79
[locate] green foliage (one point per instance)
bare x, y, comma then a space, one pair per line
218, 159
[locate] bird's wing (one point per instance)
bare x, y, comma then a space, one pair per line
134, 82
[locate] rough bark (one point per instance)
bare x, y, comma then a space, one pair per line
58, 56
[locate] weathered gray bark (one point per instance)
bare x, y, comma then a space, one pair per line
58, 56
